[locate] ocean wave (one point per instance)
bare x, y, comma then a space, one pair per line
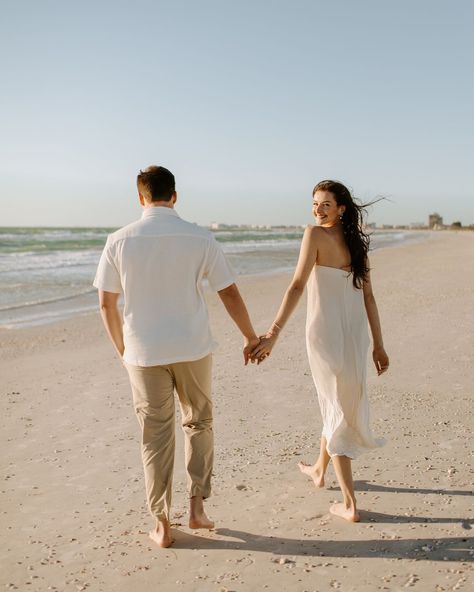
238, 237
17, 240
260, 245
35, 246
35, 261
43, 318
47, 300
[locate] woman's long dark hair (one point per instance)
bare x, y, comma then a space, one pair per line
353, 227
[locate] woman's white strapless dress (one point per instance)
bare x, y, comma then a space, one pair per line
337, 341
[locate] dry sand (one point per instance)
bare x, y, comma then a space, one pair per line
73, 513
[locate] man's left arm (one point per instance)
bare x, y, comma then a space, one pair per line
112, 319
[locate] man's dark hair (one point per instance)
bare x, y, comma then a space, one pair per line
156, 183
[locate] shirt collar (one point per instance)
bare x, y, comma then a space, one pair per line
156, 211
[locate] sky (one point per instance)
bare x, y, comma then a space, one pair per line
248, 103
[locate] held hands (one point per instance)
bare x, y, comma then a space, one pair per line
266, 343
259, 348
381, 361
249, 346
264, 348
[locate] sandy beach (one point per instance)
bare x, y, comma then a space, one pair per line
73, 511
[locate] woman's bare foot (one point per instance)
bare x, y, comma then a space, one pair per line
350, 514
162, 534
197, 516
314, 472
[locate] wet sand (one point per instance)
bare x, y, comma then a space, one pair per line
72, 498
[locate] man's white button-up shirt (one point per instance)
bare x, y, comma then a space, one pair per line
159, 263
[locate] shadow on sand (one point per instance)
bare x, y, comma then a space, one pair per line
446, 549
361, 485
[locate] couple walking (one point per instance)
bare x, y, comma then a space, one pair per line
158, 264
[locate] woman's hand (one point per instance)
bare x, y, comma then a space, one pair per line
264, 348
249, 345
381, 361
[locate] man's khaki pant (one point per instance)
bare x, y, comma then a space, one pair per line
153, 397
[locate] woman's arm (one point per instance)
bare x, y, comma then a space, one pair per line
306, 261
379, 355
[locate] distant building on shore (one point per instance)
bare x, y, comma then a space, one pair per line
219, 226
435, 221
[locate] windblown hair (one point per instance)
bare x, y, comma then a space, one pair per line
156, 183
352, 220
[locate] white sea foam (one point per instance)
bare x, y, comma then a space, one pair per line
37, 261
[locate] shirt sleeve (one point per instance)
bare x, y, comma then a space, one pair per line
219, 272
107, 277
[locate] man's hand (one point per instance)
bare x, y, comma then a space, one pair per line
249, 346
237, 310
264, 348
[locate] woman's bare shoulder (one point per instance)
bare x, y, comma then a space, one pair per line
315, 233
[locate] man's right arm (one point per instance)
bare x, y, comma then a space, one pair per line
237, 310
112, 319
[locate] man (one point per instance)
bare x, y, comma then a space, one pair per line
158, 263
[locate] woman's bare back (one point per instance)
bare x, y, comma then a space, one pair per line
332, 250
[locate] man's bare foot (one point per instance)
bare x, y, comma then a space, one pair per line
201, 522
197, 516
162, 534
314, 472
350, 514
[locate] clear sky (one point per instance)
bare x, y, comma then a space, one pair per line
249, 103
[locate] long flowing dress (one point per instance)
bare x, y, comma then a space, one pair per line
337, 340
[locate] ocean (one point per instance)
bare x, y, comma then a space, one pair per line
46, 274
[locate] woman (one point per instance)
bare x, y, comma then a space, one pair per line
333, 261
